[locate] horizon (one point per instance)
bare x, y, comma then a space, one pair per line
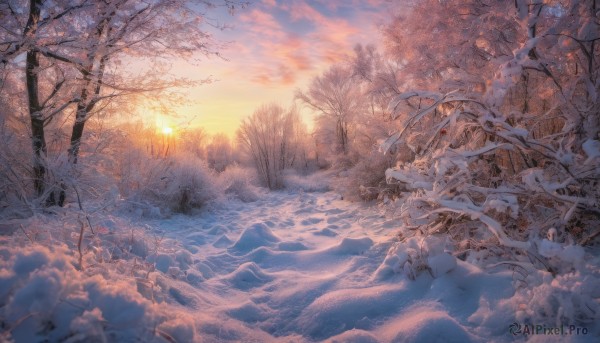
274, 48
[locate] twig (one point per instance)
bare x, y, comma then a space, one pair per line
25, 232
87, 217
79, 244
589, 238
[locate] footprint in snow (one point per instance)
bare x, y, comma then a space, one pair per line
248, 275
182, 298
325, 232
291, 246
222, 242
311, 221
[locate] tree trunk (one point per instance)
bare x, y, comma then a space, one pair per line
38, 139
76, 134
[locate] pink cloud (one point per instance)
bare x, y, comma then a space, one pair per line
279, 56
262, 23
262, 79
269, 3
299, 10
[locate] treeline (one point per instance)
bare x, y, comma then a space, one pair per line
479, 118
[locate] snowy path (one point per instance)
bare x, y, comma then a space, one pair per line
290, 267
302, 267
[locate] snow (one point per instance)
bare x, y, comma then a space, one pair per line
253, 237
292, 266
591, 147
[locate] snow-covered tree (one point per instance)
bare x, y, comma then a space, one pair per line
219, 152
194, 141
75, 53
337, 99
515, 147
272, 137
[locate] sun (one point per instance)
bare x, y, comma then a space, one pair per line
167, 130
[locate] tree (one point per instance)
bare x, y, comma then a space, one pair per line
337, 99
194, 141
272, 138
219, 152
26, 32
517, 154
85, 42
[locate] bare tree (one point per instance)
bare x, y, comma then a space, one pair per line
337, 99
219, 152
272, 138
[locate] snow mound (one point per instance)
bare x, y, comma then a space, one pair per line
197, 238
247, 276
222, 242
352, 246
353, 336
311, 221
591, 148
425, 323
341, 310
162, 262
248, 312
206, 271
46, 299
441, 264
255, 236
291, 246
217, 229
327, 232
569, 255
415, 255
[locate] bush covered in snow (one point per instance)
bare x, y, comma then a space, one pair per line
43, 297
315, 182
14, 189
240, 182
365, 180
517, 167
179, 183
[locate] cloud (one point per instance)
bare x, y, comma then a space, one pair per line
299, 10
290, 41
262, 23
269, 3
275, 47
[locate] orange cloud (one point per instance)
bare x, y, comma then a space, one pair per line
262, 23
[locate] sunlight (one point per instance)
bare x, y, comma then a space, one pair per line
167, 130
303, 171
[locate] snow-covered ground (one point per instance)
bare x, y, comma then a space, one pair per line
289, 267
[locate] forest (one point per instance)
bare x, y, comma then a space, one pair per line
439, 183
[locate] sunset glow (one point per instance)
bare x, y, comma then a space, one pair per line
299, 171
274, 48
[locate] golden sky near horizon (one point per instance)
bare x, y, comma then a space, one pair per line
273, 49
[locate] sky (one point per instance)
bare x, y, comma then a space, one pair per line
273, 48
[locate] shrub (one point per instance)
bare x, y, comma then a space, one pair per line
178, 183
189, 184
316, 182
239, 182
